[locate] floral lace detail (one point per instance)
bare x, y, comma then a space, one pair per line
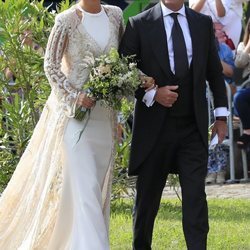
29, 204
116, 17
57, 44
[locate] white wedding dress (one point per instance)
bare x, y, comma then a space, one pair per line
58, 197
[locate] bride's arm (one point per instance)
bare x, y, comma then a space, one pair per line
66, 94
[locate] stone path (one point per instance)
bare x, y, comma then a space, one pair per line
218, 191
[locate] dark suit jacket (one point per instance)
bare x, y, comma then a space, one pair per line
145, 37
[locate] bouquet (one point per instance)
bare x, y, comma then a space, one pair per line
111, 79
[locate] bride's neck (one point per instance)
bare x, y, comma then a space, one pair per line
91, 6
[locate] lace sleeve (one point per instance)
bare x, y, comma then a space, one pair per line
58, 40
117, 16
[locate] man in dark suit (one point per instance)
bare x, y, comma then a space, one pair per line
170, 124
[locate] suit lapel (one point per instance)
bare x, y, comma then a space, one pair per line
158, 39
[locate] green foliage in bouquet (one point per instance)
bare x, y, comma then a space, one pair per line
111, 79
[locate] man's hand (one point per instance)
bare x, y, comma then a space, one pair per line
166, 95
219, 128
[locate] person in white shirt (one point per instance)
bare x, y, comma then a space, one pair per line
226, 14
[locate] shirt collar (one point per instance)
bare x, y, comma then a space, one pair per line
166, 11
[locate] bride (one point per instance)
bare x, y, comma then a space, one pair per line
58, 197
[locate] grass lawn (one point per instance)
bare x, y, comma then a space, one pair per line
229, 225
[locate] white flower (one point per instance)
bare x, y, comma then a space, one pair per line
104, 70
132, 65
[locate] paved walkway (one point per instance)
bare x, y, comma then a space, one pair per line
218, 191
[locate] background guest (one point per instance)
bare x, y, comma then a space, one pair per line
218, 157
242, 97
226, 15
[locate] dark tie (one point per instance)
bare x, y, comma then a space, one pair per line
179, 48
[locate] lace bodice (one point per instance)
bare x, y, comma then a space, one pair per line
68, 45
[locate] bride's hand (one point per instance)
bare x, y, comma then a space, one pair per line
85, 101
147, 83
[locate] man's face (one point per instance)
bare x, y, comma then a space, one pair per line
173, 4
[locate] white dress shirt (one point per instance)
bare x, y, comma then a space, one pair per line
168, 23
148, 98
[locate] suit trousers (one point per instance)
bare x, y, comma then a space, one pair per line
180, 146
